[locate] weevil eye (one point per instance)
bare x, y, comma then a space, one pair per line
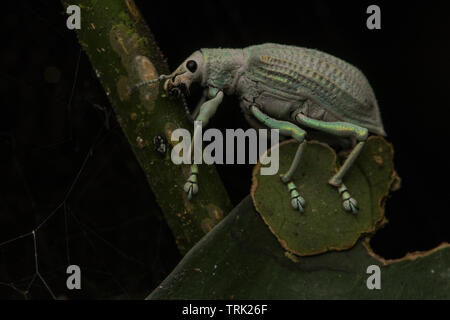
191, 65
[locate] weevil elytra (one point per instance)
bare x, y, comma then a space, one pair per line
287, 88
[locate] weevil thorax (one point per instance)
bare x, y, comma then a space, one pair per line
222, 68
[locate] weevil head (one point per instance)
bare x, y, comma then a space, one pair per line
217, 68
190, 71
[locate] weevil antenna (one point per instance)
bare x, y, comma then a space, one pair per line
140, 84
160, 78
186, 108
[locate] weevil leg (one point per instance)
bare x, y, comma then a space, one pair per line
287, 129
202, 100
206, 111
343, 129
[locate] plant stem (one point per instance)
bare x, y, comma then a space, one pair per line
123, 52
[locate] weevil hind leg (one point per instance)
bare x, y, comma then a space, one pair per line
348, 202
287, 129
342, 129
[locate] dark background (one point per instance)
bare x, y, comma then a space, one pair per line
65, 164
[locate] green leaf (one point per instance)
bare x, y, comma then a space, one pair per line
241, 259
325, 225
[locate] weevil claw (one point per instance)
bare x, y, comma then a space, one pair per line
297, 201
191, 189
350, 205
348, 202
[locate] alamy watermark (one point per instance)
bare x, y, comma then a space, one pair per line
374, 20
213, 153
74, 19
374, 281
74, 278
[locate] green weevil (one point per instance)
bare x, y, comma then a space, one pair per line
286, 88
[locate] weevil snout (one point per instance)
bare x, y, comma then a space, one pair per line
174, 87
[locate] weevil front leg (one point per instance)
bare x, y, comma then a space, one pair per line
343, 129
205, 112
291, 130
205, 96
